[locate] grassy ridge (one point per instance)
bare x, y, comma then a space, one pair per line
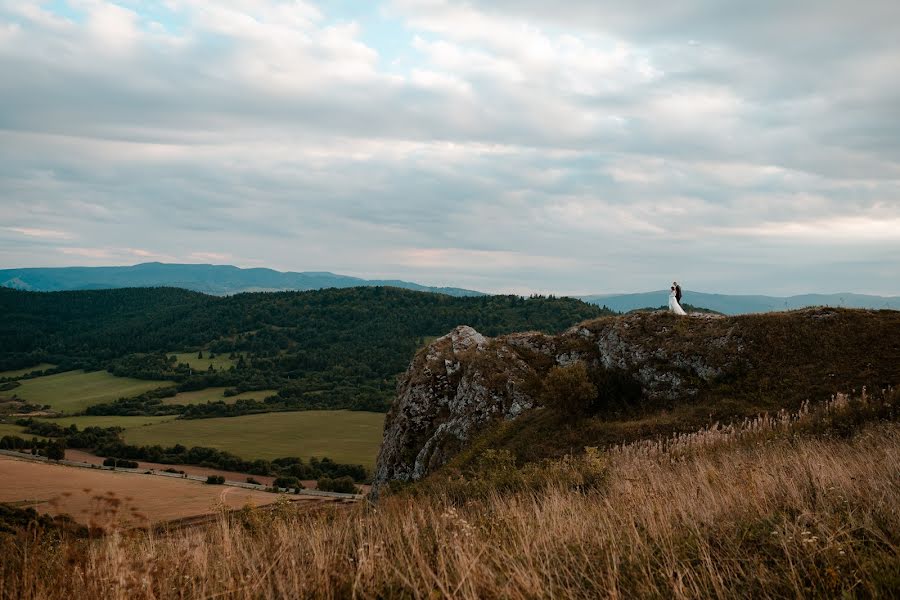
73, 391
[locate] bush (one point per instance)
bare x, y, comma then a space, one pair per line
569, 389
343, 485
215, 480
253, 481
287, 482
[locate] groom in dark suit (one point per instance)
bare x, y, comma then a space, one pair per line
677, 291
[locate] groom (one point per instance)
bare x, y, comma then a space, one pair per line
677, 291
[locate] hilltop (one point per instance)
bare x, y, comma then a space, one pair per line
616, 379
731, 304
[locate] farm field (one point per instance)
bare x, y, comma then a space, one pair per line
126, 423
344, 436
58, 489
214, 394
73, 391
20, 372
219, 363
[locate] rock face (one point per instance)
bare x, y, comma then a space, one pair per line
464, 382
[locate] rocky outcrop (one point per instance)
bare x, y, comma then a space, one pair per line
464, 382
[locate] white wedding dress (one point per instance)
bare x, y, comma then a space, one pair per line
674, 306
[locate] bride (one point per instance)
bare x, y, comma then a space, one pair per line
673, 303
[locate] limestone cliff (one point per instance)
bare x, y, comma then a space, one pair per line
464, 382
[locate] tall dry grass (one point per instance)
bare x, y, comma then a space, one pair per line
752, 511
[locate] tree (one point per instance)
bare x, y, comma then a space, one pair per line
57, 449
200, 354
569, 389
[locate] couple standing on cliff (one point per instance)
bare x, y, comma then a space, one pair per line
675, 299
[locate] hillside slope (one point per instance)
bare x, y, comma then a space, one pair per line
209, 279
651, 373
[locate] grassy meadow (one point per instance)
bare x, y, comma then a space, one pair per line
74, 391
344, 436
20, 372
215, 394
220, 363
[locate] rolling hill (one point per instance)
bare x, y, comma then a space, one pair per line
219, 280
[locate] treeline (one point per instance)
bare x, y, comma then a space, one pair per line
335, 348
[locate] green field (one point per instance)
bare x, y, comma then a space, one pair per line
109, 421
20, 372
10, 429
344, 436
73, 391
220, 363
216, 393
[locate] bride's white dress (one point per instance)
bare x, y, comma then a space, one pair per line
674, 306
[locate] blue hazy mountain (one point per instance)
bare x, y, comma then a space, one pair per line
210, 279
735, 305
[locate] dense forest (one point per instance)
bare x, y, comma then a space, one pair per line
334, 348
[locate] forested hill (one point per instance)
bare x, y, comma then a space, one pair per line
209, 279
326, 348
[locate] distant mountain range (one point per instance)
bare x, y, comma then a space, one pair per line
223, 280
735, 305
219, 280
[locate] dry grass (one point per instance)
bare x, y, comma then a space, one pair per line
755, 510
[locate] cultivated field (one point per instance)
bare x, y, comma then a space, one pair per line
109, 421
20, 372
58, 489
344, 436
220, 362
74, 391
215, 394
87, 457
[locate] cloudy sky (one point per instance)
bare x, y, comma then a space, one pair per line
573, 146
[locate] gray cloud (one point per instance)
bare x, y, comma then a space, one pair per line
593, 147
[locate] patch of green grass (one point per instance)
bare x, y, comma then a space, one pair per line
20, 372
11, 429
73, 391
220, 363
344, 436
214, 394
110, 421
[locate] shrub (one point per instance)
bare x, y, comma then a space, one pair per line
343, 485
215, 480
253, 481
569, 389
286, 482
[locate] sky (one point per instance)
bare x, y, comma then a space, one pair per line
516, 146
